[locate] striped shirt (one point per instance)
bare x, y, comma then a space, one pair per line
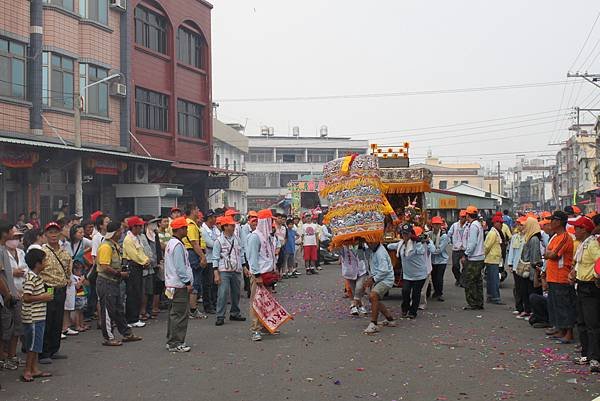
32, 312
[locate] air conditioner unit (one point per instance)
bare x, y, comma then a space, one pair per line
120, 5
118, 89
140, 173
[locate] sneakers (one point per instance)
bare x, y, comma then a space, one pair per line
515, 312
237, 318
371, 329
70, 332
582, 360
256, 336
220, 322
522, 315
8, 364
179, 348
594, 366
198, 315
63, 336
137, 324
362, 311
354, 311
389, 323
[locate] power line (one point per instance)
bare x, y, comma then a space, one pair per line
393, 94
585, 42
474, 128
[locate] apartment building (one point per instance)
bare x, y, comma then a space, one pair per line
275, 161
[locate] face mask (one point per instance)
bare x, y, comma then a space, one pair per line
12, 243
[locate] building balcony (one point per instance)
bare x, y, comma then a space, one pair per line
282, 167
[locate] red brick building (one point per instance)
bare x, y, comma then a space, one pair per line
148, 124
171, 87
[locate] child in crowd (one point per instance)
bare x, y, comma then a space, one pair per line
34, 313
78, 278
289, 251
354, 270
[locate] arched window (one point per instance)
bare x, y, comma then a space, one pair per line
191, 47
151, 29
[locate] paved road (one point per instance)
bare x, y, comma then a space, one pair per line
446, 354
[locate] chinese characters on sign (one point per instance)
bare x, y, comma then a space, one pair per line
270, 312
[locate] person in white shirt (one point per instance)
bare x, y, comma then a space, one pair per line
227, 265
310, 240
456, 235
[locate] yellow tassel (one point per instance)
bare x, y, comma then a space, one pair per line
405, 187
367, 236
350, 184
386, 204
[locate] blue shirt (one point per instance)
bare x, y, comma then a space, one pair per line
290, 242
381, 267
508, 220
414, 261
439, 256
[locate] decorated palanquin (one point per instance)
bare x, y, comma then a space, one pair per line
406, 180
356, 205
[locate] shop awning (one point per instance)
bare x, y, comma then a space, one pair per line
51, 145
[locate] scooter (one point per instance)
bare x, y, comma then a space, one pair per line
326, 256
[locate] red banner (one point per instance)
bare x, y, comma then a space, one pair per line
270, 312
14, 158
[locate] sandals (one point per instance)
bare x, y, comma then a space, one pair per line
131, 338
42, 374
112, 343
26, 379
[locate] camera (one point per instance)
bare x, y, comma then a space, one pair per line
124, 266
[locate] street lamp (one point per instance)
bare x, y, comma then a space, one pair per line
77, 141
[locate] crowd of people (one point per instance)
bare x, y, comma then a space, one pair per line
56, 279
554, 259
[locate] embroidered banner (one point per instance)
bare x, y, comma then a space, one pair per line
269, 312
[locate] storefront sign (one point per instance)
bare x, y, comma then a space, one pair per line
449, 203
15, 158
106, 166
218, 182
270, 312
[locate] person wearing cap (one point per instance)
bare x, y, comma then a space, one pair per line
473, 260
100, 226
210, 233
250, 226
495, 242
227, 264
194, 242
179, 286
10, 315
136, 259
562, 299
261, 256
108, 285
175, 213
456, 235
588, 293
57, 275
439, 257
411, 250
310, 240
515, 249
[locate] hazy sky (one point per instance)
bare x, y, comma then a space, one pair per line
269, 48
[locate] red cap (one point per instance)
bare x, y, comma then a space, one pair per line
51, 225
135, 221
437, 220
265, 214
94, 216
497, 219
583, 222
231, 212
175, 209
252, 213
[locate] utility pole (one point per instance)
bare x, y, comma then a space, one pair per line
499, 180
591, 78
79, 104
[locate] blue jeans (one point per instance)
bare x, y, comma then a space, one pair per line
196, 271
230, 283
492, 277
